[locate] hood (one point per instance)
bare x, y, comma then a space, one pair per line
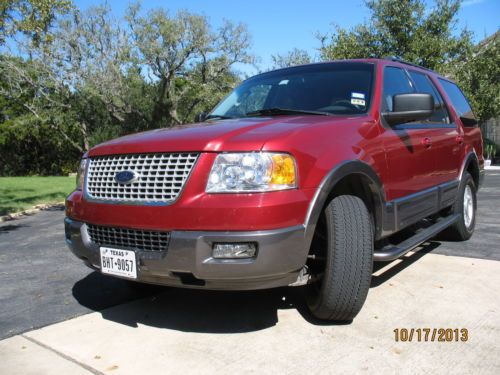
248, 134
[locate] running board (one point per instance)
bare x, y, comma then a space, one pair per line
392, 252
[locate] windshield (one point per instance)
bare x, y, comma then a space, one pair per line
331, 88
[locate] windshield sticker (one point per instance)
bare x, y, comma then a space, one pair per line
284, 82
357, 95
357, 101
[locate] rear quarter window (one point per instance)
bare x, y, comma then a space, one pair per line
458, 99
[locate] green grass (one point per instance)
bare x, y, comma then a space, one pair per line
20, 193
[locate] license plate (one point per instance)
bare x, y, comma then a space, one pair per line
118, 262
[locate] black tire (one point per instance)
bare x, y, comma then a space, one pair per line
341, 292
461, 230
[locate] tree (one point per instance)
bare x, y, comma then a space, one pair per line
403, 28
85, 64
479, 77
28, 144
99, 77
291, 58
189, 62
32, 18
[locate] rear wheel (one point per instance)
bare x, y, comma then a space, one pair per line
465, 206
343, 279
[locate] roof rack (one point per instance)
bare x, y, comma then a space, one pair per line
400, 60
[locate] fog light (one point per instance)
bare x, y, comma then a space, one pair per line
234, 250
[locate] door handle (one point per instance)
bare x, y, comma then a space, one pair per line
460, 139
427, 142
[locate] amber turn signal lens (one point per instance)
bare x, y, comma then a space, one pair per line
283, 172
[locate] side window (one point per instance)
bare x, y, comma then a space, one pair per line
457, 98
395, 82
424, 85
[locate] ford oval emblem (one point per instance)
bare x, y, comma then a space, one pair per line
126, 177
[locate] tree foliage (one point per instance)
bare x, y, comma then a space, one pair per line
99, 77
291, 58
32, 18
189, 60
479, 77
403, 28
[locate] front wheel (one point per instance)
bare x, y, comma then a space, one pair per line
344, 280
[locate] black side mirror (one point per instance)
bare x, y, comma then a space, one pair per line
200, 117
469, 122
409, 107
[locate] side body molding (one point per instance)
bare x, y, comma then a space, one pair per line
342, 170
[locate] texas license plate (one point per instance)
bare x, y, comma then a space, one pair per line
118, 262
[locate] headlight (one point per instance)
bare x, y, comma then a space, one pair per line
252, 172
80, 174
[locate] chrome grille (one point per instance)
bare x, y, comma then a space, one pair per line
128, 238
160, 176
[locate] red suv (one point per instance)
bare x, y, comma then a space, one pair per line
300, 176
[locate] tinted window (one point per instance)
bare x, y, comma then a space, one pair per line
424, 85
337, 88
395, 82
457, 98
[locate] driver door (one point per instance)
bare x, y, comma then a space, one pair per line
409, 159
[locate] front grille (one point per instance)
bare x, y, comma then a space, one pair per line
128, 238
160, 177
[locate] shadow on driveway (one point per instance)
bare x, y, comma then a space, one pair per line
204, 311
4, 229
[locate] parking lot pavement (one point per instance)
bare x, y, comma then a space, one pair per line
445, 285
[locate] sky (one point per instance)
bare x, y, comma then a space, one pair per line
278, 26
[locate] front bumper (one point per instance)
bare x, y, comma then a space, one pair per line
188, 261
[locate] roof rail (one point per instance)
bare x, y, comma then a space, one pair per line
400, 60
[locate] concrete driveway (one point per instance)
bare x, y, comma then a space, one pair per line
159, 330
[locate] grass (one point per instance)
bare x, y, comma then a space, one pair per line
21, 193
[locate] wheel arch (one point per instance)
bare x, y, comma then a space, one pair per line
471, 165
358, 179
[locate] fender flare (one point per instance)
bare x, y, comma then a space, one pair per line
471, 157
332, 178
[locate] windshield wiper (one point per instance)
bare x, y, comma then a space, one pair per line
285, 111
218, 117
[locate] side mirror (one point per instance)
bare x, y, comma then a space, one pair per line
469, 122
409, 107
200, 117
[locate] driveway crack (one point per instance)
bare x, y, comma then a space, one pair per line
62, 355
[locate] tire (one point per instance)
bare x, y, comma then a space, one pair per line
465, 206
341, 292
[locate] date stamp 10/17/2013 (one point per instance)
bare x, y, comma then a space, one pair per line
431, 334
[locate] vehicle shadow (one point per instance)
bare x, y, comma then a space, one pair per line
190, 310
202, 311
395, 267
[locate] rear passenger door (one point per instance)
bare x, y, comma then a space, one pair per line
445, 140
